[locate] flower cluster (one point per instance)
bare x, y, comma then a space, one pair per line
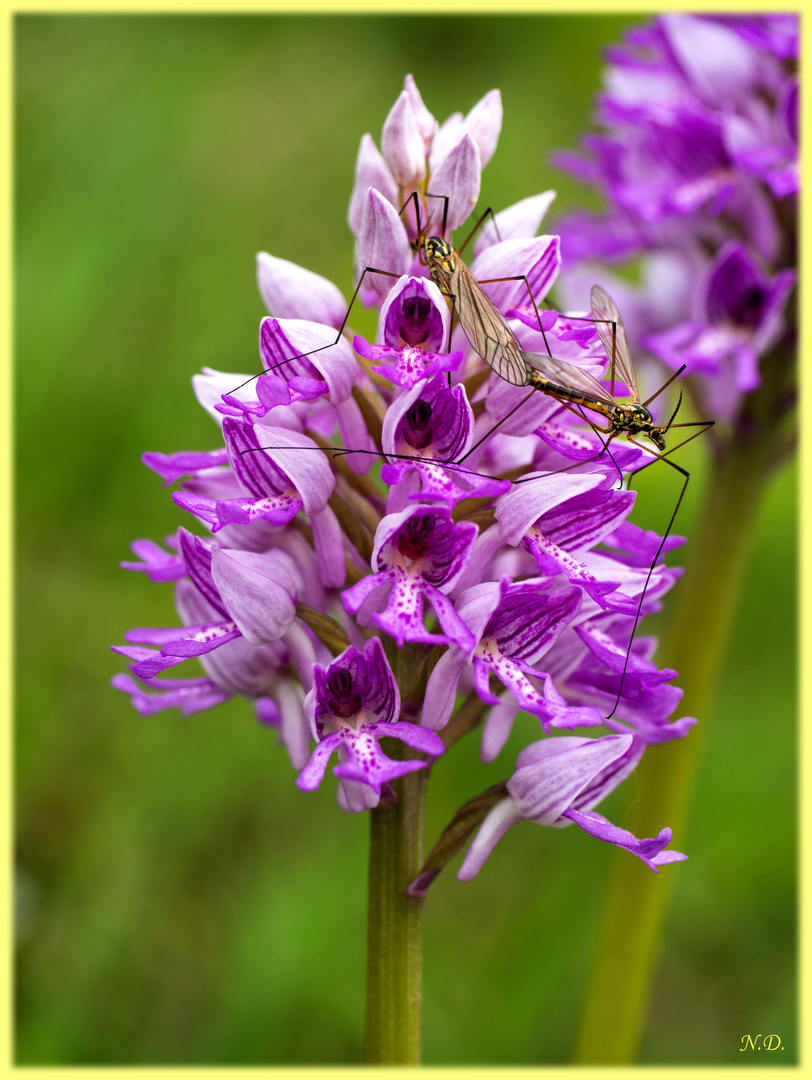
390, 525
698, 162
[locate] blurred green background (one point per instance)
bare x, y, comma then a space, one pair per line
179, 900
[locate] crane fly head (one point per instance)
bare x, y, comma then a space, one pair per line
657, 434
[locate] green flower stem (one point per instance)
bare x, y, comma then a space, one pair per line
695, 644
394, 930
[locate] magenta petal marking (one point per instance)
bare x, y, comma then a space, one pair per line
544, 551
367, 764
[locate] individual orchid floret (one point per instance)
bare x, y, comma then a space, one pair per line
514, 626
559, 519
557, 781
429, 425
248, 593
297, 347
281, 475
259, 672
419, 553
354, 702
414, 327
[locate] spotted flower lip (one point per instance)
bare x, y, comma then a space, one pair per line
557, 782
418, 554
354, 702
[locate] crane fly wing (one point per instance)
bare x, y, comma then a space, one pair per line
486, 329
605, 312
569, 376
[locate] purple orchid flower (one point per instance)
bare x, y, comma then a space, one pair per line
418, 553
514, 626
353, 703
414, 329
557, 782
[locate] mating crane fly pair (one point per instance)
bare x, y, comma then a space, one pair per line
492, 339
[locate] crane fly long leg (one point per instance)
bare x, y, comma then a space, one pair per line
703, 426
657, 554
476, 228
